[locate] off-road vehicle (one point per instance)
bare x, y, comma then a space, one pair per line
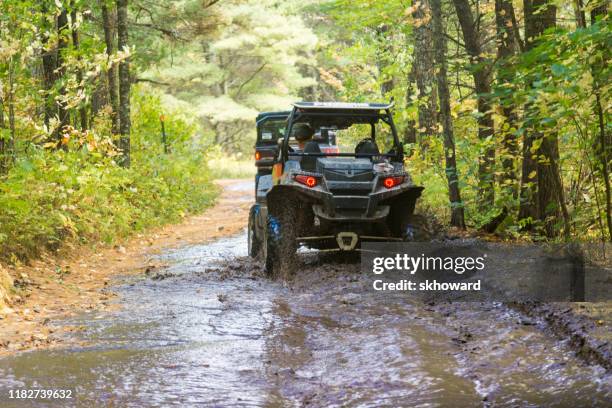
271, 127
329, 200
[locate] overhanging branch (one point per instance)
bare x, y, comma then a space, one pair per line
257, 71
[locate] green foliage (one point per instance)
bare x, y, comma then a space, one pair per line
50, 197
213, 65
567, 70
258, 61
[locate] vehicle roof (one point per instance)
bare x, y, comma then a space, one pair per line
343, 105
263, 115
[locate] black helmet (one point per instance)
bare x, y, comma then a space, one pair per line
302, 131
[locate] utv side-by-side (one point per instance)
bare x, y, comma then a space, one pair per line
330, 199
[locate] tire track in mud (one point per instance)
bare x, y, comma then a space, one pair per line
396, 350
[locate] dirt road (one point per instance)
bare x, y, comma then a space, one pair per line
208, 329
76, 279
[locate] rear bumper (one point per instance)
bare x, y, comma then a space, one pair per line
339, 215
344, 241
372, 207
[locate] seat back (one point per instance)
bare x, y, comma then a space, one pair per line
366, 146
309, 163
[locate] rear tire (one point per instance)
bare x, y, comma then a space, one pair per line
254, 242
280, 245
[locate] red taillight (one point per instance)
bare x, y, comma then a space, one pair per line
391, 182
309, 181
257, 155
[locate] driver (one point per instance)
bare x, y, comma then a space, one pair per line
303, 134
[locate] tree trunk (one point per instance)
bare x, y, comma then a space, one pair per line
383, 59
124, 83
423, 66
579, 13
482, 83
539, 16
99, 97
48, 64
308, 93
3, 142
62, 44
551, 198
79, 71
109, 39
410, 129
10, 144
604, 157
528, 209
534, 27
604, 145
439, 42
505, 77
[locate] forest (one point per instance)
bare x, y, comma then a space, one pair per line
116, 115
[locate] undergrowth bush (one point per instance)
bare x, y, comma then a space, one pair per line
50, 196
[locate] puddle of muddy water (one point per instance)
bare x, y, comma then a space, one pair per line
208, 330
181, 340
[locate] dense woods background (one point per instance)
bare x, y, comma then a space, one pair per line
112, 111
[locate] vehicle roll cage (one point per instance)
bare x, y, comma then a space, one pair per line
354, 113
268, 116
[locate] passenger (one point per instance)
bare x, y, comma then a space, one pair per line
303, 134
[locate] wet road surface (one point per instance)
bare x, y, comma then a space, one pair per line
210, 330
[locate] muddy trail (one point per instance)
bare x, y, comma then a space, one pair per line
208, 329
